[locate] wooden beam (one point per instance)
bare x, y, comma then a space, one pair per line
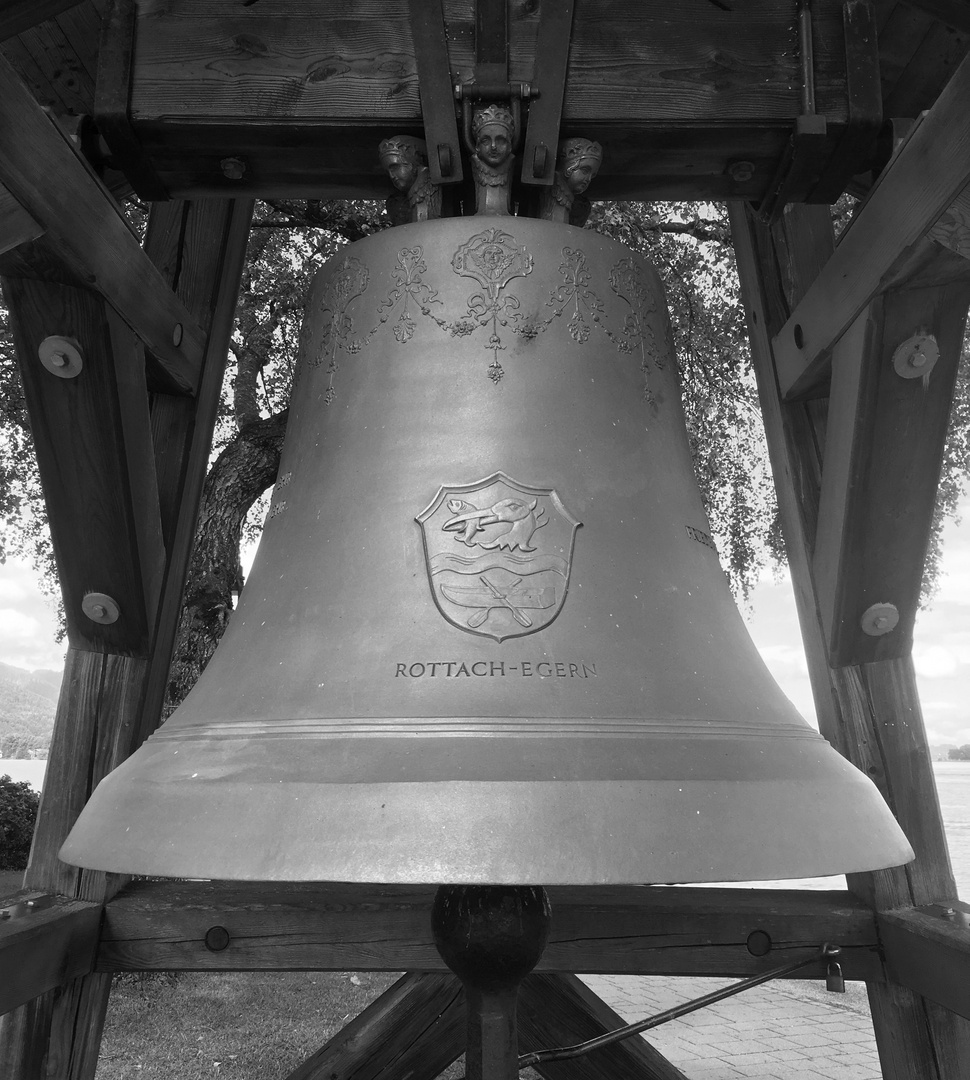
561, 1010
44, 942
200, 248
677, 94
928, 950
96, 715
886, 431
871, 712
953, 13
19, 15
16, 225
414, 1029
162, 926
96, 461
417, 1029
923, 180
84, 229
102, 714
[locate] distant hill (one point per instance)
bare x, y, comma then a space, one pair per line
27, 703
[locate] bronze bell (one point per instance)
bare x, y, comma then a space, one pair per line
486, 638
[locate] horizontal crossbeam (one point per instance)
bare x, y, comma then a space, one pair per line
632, 930
45, 941
19, 15
928, 950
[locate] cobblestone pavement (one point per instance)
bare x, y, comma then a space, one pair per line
786, 1030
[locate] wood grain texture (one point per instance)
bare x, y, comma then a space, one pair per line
96, 714
18, 15
57, 1034
41, 950
925, 177
607, 929
926, 74
561, 1010
929, 954
416, 1029
884, 450
355, 59
95, 460
201, 248
305, 94
57, 59
102, 714
86, 231
870, 713
16, 224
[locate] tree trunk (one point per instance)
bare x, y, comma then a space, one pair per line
243, 471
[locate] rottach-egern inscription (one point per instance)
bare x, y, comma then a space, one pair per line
496, 669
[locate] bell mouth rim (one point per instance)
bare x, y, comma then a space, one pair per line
553, 833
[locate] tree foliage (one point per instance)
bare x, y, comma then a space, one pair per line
18, 812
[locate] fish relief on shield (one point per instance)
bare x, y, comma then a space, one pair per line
499, 555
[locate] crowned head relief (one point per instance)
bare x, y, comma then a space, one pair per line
493, 134
405, 160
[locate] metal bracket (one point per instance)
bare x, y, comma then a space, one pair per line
955, 912
434, 85
479, 90
857, 145
27, 906
545, 116
798, 169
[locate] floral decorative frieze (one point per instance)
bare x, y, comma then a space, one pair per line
493, 260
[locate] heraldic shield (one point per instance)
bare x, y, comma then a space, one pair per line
499, 554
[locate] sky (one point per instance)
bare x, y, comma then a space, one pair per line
941, 651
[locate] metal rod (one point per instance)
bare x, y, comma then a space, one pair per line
827, 953
807, 57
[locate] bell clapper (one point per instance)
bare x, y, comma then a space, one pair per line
491, 936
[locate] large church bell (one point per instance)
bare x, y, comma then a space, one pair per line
486, 638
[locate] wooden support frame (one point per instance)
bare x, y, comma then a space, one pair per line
926, 176
100, 487
19, 15
45, 941
103, 711
870, 712
86, 238
610, 929
884, 443
928, 950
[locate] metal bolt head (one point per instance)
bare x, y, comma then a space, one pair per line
740, 171
233, 168
177, 334
879, 619
917, 356
217, 938
100, 608
61, 356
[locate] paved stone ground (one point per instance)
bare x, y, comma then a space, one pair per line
785, 1030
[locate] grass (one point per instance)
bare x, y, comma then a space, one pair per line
240, 1025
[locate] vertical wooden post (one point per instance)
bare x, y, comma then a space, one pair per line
870, 712
109, 701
